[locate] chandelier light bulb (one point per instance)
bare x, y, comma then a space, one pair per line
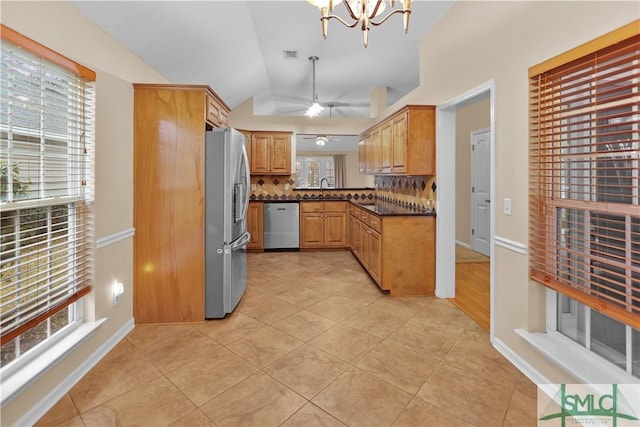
363, 12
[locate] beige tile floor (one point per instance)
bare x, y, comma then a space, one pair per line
313, 342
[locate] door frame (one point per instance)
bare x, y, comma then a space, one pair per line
472, 211
445, 195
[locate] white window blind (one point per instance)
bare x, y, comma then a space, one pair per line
46, 160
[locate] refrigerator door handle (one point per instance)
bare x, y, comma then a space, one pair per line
245, 158
243, 240
238, 202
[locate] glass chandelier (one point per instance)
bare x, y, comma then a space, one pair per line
361, 12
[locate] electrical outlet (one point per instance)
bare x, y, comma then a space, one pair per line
507, 206
117, 290
253, 187
286, 186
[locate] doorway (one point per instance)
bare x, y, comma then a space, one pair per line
447, 197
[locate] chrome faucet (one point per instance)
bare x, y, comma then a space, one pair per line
321, 181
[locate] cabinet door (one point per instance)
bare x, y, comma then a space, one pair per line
335, 229
374, 246
281, 154
255, 225
311, 230
353, 234
399, 144
362, 154
376, 151
260, 148
385, 147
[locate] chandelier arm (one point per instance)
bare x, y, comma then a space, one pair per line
372, 22
342, 21
375, 10
351, 13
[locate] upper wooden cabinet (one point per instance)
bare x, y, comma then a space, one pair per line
404, 143
168, 199
217, 112
270, 153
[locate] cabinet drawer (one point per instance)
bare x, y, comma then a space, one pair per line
364, 217
375, 223
335, 206
312, 206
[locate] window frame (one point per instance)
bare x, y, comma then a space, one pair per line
78, 203
549, 256
323, 171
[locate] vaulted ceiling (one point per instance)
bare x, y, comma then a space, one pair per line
237, 48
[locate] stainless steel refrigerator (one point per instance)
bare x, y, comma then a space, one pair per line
226, 203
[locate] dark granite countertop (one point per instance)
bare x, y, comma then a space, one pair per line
377, 207
391, 209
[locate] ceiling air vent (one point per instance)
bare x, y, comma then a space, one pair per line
290, 54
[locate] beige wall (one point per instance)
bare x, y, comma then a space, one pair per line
468, 119
474, 43
116, 69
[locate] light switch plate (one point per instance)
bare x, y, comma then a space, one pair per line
507, 206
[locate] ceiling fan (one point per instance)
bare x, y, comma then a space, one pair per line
321, 140
316, 107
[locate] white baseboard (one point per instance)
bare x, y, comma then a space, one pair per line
464, 245
40, 408
529, 371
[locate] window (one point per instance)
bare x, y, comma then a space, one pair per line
46, 183
584, 192
310, 170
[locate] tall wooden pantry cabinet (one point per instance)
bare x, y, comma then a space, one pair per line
168, 199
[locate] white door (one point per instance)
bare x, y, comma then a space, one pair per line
480, 191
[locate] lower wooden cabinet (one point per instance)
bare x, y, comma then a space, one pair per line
366, 243
255, 226
397, 251
323, 224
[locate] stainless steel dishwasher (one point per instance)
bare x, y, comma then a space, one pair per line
281, 225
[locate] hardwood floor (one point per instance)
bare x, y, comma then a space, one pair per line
472, 291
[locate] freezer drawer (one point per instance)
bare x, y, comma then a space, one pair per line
281, 226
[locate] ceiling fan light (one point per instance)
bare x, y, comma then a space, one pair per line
314, 110
321, 140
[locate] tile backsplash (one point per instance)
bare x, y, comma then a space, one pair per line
412, 191
281, 188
